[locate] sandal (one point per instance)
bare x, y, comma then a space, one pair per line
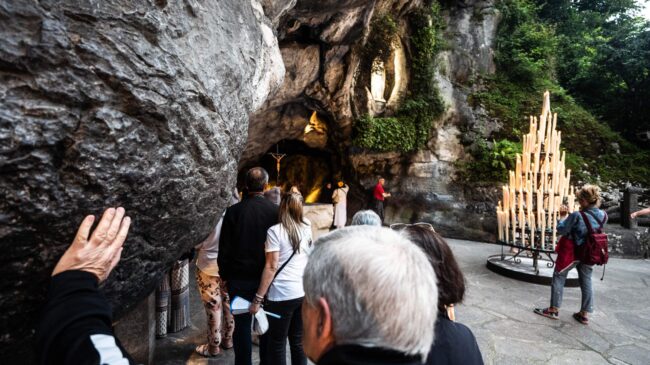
580, 318
547, 312
205, 352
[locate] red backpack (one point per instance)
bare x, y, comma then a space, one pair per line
594, 251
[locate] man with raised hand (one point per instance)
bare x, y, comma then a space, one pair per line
76, 324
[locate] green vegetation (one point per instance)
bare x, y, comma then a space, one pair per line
380, 41
603, 58
385, 134
529, 56
409, 128
491, 161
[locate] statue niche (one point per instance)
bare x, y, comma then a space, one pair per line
388, 81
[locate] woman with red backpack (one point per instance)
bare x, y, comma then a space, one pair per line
582, 245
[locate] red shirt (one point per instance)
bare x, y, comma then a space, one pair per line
379, 192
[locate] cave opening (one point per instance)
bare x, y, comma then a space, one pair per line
302, 166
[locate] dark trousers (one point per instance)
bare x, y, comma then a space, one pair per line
289, 325
241, 337
378, 207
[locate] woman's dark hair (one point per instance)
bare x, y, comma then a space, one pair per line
451, 283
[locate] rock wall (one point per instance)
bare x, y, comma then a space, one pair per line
104, 103
322, 49
428, 190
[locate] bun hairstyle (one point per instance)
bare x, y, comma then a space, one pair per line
590, 194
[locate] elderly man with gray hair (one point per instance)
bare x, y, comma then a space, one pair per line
366, 218
370, 298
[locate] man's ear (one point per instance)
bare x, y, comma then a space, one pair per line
324, 329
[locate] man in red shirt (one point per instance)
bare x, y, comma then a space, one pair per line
378, 197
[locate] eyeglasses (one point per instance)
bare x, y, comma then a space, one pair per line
402, 226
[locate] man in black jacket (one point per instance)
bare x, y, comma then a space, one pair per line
241, 253
75, 327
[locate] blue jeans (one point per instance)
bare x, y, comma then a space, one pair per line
241, 337
584, 278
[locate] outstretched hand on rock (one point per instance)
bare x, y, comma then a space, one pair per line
100, 253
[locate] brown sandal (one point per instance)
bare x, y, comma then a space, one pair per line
547, 312
580, 318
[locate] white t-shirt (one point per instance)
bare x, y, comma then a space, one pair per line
208, 251
288, 284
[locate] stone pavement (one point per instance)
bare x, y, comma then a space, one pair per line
499, 312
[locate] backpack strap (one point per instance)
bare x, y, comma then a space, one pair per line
601, 222
587, 223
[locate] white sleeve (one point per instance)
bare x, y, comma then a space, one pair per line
212, 238
272, 243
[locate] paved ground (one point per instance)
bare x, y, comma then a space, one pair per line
499, 312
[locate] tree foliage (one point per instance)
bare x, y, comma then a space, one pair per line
593, 57
603, 58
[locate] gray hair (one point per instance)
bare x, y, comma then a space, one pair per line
366, 218
380, 287
274, 195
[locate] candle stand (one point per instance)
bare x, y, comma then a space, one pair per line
528, 213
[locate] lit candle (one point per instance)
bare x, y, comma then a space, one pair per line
532, 231
543, 232
506, 221
499, 223
518, 171
522, 222
554, 230
513, 220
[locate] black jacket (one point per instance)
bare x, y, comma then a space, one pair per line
75, 326
243, 233
454, 344
360, 355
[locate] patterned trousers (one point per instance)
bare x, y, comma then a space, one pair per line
221, 323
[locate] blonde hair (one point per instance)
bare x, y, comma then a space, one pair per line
590, 194
291, 218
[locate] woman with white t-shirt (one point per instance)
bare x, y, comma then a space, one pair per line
288, 245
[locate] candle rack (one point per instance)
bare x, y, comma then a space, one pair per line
538, 186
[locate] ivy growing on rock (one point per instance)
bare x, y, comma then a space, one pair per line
409, 128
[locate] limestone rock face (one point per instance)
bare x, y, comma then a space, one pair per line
103, 103
428, 191
321, 47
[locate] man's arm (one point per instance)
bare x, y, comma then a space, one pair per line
75, 326
640, 212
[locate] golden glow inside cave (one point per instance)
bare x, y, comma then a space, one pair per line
312, 196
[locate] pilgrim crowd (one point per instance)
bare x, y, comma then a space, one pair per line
362, 294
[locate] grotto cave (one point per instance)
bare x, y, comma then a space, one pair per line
302, 166
161, 106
